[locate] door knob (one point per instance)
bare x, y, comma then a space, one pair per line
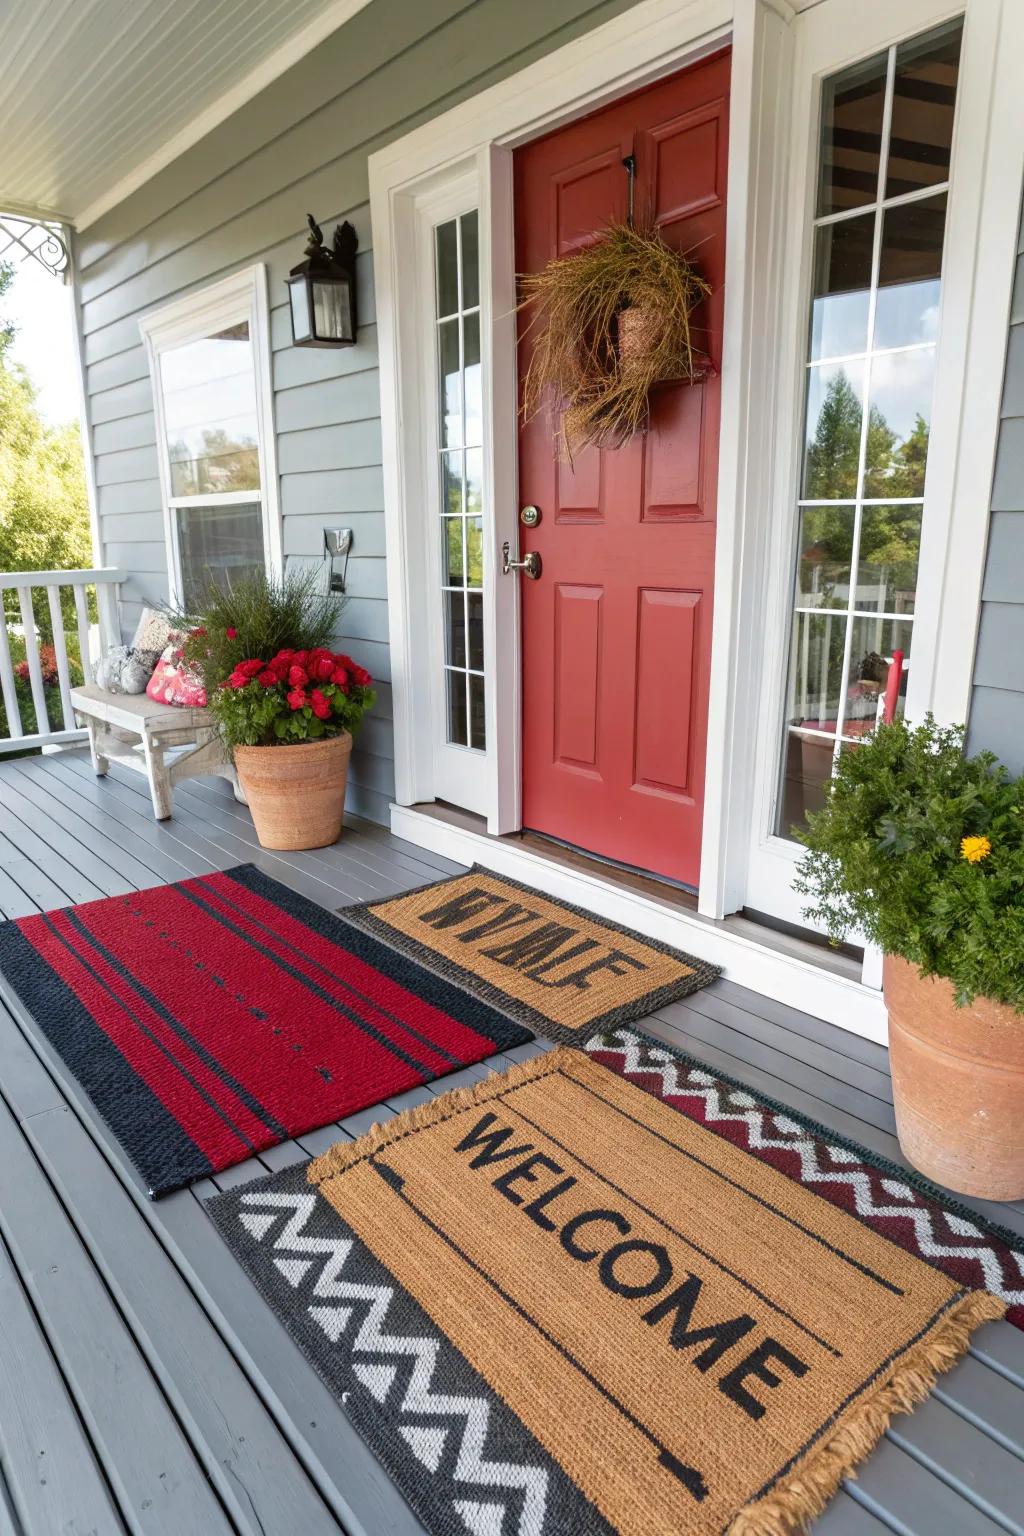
530, 564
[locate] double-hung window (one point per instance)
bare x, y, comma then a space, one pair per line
209, 359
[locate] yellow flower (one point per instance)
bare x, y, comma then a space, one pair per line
974, 849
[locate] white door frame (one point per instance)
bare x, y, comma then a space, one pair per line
477, 139
986, 171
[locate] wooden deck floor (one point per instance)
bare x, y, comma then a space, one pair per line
145, 1387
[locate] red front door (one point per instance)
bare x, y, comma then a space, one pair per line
617, 630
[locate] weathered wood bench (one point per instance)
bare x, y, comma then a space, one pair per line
134, 730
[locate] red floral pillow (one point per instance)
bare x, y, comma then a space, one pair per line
173, 683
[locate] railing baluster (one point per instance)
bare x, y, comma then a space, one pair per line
14, 729
82, 610
61, 652
26, 584
106, 603
35, 671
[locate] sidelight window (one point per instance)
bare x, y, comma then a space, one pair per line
886, 134
460, 440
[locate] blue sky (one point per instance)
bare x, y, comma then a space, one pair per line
40, 306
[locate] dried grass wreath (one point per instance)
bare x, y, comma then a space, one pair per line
609, 323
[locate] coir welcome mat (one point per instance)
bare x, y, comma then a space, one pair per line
212, 1018
554, 1297
553, 967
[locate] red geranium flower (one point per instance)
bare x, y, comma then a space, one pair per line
199, 632
231, 633
322, 667
361, 676
287, 656
297, 698
321, 705
298, 676
250, 668
269, 678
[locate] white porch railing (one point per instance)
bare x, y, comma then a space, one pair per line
25, 583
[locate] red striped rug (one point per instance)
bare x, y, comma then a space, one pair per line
221, 1015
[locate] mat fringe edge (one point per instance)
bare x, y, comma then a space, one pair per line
804, 1495
805, 1492
343, 1154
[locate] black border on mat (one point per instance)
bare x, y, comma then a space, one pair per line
362, 916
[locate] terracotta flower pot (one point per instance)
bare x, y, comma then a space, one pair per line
958, 1084
296, 794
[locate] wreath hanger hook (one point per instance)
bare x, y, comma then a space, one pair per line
630, 165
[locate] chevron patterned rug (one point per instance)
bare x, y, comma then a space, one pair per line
900, 1204
550, 1303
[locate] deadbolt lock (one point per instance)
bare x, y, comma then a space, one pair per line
530, 517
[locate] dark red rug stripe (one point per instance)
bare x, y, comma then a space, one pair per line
460, 1040
291, 1050
182, 1098
230, 1095
404, 1038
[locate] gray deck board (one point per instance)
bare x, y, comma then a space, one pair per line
44, 1451
237, 1442
219, 1390
908, 1498
158, 1483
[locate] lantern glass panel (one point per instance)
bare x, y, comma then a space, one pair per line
298, 294
332, 311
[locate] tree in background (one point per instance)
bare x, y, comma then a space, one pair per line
44, 509
44, 521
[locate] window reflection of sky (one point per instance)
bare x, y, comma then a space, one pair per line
209, 400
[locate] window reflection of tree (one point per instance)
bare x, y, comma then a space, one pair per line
227, 462
890, 534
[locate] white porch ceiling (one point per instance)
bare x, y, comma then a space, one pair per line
96, 95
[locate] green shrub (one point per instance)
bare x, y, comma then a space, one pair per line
922, 849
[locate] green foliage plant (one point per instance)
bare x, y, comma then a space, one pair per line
44, 509
261, 648
295, 697
256, 618
921, 848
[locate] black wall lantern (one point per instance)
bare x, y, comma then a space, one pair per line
322, 290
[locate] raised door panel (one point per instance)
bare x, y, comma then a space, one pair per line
577, 667
584, 197
674, 451
688, 174
666, 657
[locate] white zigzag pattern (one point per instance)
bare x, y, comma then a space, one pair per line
701, 1085
471, 1465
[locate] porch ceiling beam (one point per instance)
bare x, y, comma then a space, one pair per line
38, 211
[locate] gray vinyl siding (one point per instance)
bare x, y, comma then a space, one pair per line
997, 700
240, 196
